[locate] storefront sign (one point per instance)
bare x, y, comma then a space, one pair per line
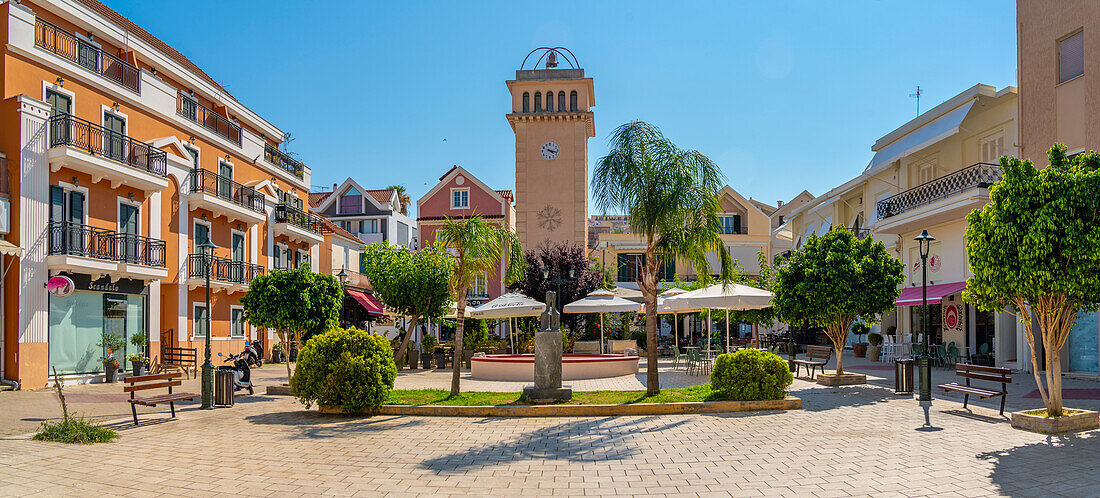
60, 286
952, 317
935, 264
105, 284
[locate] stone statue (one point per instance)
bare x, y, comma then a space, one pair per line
548, 345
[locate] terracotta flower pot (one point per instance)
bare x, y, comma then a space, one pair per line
874, 352
859, 349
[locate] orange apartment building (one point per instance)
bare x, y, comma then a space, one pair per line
123, 155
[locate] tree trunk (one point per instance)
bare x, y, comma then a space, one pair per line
1054, 406
286, 351
649, 291
838, 332
460, 316
405, 343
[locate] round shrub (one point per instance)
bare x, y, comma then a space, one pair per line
751, 375
348, 368
875, 339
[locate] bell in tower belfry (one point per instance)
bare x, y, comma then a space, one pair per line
552, 119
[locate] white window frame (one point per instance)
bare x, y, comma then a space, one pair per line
118, 206
484, 280
283, 251
466, 190
209, 232
303, 255
47, 85
376, 228
244, 324
195, 320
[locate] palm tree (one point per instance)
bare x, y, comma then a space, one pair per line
402, 196
670, 197
478, 248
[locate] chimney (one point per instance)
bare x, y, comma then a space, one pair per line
780, 204
333, 187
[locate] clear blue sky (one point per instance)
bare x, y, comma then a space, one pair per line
783, 95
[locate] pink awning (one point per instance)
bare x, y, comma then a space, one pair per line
911, 296
369, 302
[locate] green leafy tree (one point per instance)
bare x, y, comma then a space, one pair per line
1034, 251
295, 302
412, 283
478, 248
670, 197
835, 279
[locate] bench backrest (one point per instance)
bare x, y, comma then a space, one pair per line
179, 356
980, 372
819, 352
154, 381
620, 346
586, 347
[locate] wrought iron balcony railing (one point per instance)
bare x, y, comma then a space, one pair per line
860, 233
68, 130
283, 160
222, 269
74, 239
980, 175
91, 57
209, 182
297, 217
194, 111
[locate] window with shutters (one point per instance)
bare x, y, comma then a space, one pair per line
993, 148
927, 174
1071, 57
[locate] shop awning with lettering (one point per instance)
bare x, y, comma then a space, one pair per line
369, 302
912, 296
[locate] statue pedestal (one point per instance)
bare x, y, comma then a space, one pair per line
547, 388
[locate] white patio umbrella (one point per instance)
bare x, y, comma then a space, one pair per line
602, 301
510, 305
663, 309
721, 296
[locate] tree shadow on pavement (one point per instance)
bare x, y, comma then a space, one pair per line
576, 441
1060, 465
816, 399
306, 424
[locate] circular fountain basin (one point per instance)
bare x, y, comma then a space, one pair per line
521, 367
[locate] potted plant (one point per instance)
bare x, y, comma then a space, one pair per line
111, 367
875, 348
137, 362
427, 348
111, 342
414, 357
859, 349
277, 353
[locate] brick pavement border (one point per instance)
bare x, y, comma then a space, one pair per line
788, 403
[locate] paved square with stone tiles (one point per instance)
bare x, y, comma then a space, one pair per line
845, 441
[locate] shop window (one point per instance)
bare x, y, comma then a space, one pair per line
1071, 57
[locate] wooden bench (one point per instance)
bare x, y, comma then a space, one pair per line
155, 381
816, 357
178, 359
978, 372
620, 346
592, 347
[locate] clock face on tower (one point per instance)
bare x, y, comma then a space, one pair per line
549, 151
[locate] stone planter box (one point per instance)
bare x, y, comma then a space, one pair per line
337, 410
1084, 420
279, 390
848, 379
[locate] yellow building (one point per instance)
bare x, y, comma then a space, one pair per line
745, 231
928, 175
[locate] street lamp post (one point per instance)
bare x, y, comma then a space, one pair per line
558, 281
207, 247
343, 278
924, 363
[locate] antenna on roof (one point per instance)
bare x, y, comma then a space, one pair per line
916, 95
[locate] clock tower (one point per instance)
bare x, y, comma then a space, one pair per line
552, 119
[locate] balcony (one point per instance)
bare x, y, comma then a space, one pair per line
354, 278
192, 110
84, 146
297, 225
281, 159
84, 54
77, 248
224, 273
944, 199
225, 197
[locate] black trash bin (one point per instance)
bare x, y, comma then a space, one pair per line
903, 376
223, 387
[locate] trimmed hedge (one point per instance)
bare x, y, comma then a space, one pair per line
348, 368
751, 375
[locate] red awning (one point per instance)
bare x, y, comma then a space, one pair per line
369, 302
911, 296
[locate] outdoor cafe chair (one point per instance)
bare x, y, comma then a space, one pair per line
676, 356
889, 348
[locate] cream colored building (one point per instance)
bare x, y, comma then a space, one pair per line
745, 232
928, 175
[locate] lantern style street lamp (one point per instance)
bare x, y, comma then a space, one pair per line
924, 363
558, 281
207, 249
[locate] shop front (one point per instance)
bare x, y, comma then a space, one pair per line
80, 318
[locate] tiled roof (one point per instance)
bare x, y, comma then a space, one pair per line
381, 195
330, 227
147, 37
316, 198
507, 194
